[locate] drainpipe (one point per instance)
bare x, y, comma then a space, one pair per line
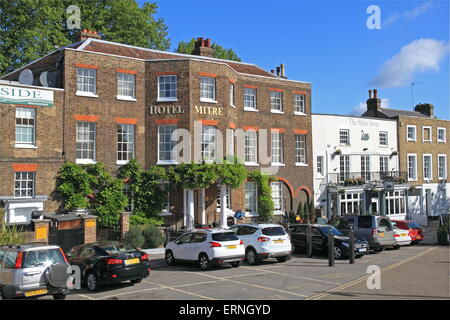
223, 204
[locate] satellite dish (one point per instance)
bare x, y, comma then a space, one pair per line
48, 79
43, 79
26, 77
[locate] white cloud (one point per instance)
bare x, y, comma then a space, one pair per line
407, 15
419, 56
362, 107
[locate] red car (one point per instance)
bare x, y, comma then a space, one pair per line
415, 231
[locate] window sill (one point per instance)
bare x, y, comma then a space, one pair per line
233, 106
208, 100
250, 109
409, 140
276, 111
25, 146
167, 163
278, 212
86, 94
122, 162
442, 141
299, 114
125, 98
250, 214
85, 161
165, 213
300, 164
277, 164
412, 180
251, 164
167, 100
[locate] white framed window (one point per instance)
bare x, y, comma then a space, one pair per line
24, 184
384, 164
365, 167
427, 167
208, 89
344, 136
125, 143
344, 168
85, 142
411, 133
441, 135
167, 144
276, 101
86, 81
320, 168
250, 99
277, 147
126, 86
300, 149
277, 197
352, 203
251, 198
383, 135
231, 95
208, 143
167, 88
299, 104
395, 202
230, 141
25, 126
427, 135
442, 166
251, 147
412, 167
227, 197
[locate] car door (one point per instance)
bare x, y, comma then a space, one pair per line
9, 262
389, 231
196, 245
179, 251
299, 237
317, 239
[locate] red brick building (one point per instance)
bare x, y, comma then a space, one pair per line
114, 102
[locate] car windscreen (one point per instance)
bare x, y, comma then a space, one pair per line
326, 231
115, 248
225, 236
413, 225
273, 231
38, 258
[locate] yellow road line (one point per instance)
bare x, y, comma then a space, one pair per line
186, 292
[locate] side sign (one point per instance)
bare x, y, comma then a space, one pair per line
26, 96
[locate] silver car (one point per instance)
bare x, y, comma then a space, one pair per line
32, 270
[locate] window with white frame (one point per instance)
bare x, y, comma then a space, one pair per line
208, 142
344, 136
365, 167
351, 203
384, 164
249, 98
24, 184
300, 149
427, 134
25, 126
442, 166
320, 165
411, 133
86, 80
277, 196
230, 141
232, 94
427, 167
125, 143
85, 141
276, 101
251, 147
126, 84
412, 167
299, 104
227, 197
167, 88
166, 146
441, 135
344, 167
207, 88
251, 197
383, 138
395, 202
277, 147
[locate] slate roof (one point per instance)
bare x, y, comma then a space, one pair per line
392, 113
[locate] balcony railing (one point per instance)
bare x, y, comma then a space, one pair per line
360, 178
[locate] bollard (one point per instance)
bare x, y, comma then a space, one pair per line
309, 241
351, 247
331, 249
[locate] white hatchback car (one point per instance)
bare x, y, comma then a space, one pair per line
206, 247
401, 237
264, 241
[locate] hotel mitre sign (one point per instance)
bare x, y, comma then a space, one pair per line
26, 96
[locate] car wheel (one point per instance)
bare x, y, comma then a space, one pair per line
396, 247
236, 264
283, 259
338, 253
59, 296
293, 248
136, 281
378, 249
203, 262
92, 281
251, 256
170, 260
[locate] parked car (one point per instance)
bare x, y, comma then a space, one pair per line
33, 270
376, 230
206, 247
109, 262
264, 241
319, 237
414, 230
401, 237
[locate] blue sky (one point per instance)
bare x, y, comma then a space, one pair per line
329, 44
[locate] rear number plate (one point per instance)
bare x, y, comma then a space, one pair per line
403, 234
231, 247
35, 292
381, 235
278, 241
131, 261
362, 250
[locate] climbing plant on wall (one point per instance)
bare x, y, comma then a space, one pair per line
266, 205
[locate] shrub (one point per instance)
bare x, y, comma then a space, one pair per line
134, 237
153, 237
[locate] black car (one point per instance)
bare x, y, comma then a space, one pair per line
319, 235
109, 262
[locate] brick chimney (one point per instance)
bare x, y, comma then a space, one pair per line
373, 103
425, 108
203, 48
86, 34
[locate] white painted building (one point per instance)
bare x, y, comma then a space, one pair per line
356, 166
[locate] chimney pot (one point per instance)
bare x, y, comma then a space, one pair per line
203, 48
375, 93
370, 94
208, 43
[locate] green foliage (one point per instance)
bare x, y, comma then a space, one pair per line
231, 174
29, 29
9, 235
153, 237
312, 212
74, 185
194, 175
306, 211
220, 52
300, 211
265, 202
134, 237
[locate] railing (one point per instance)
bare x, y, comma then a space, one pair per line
360, 178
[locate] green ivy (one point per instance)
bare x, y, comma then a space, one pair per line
74, 185
266, 205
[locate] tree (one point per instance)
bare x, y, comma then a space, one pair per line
219, 51
29, 29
